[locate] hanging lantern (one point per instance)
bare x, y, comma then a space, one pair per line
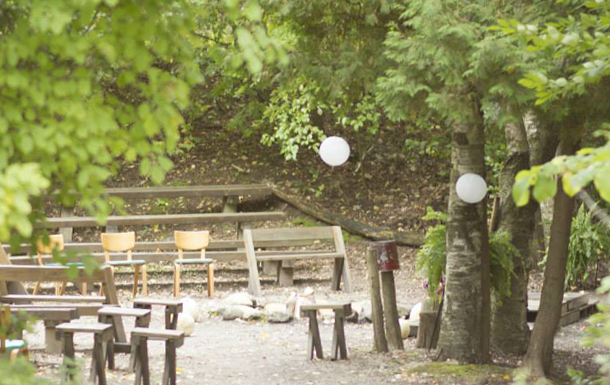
334, 151
471, 188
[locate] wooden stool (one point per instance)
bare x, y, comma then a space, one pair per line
108, 315
172, 308
139, 340
125, 242
102, 340
193, 240
314, 343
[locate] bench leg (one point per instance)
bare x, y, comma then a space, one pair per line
136, 279
286, 273
53, 345
337, 270
98, 363
144, 281
314, 342
176, 280
84, 288
171, 318
339, 347
169, 373
142, 369
210, 280
69, 356
36, 288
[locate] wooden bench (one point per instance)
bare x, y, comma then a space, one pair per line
105, 276
51, 318
142, 320
173, 339
314, 342
102, 341
172, 308
280, 238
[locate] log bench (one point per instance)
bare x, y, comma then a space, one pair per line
142, 320
172, 308
102, 341
173, 340
314, 342
282, 238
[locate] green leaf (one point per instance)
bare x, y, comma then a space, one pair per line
521, 192
545, 188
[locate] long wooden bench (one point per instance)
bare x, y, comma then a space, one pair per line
105, 276
280, 238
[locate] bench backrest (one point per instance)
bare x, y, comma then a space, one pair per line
16, 273
287, 234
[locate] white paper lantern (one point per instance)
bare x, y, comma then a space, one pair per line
334, 151
471, 188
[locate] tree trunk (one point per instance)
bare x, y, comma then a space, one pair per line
509, 331
543, 141
466, 313
539, 358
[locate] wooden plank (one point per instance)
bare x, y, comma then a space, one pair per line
190, 191
73, 327
153, 334
293, 257
20, 298
13, 273
297, 233
329, 305
168, 219
82, 310
158, 301
90, 247
47, 314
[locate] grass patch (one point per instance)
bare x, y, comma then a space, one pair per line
463, 374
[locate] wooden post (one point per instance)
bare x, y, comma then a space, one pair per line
285, 273
52, 344
229, 204
67, 231
427, 336
381, 344
390, 310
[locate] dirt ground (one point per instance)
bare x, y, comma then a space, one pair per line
239, 352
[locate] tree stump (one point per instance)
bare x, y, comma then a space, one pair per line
427, 336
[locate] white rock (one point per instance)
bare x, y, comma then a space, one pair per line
241, 298
405, 328
414, 314
186, 323
276, 307
241, 311
191, 306
307, 292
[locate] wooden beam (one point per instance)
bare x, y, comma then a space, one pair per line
13, 273
351, 226
139, 220
190, 191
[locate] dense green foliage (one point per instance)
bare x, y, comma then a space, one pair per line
579, 45
432, 256
589, 246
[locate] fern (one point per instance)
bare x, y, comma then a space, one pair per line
589, 245
432, 256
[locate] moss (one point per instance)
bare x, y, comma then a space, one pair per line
464, 374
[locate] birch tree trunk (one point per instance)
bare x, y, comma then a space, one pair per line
466, 313
539, 358
509, 331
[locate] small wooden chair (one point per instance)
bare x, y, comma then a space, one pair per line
12, 348
125, 242
56, 242
192, 240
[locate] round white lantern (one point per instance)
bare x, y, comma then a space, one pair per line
334, 151
471, 188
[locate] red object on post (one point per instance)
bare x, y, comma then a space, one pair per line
387, 255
